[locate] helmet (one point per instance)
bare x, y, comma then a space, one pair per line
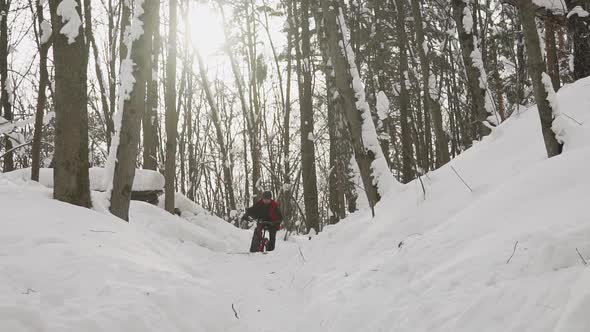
267, 195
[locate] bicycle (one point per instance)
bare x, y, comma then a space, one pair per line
260, 236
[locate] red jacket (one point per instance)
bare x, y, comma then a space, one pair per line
265, 212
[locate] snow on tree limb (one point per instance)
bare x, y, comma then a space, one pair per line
560, 124
46, 31
133, 32
67, 10
477, 61
382, 176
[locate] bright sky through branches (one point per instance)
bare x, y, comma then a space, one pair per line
207, 29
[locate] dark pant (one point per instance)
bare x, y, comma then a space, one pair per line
257, 237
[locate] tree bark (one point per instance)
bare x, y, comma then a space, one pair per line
499, 82
343, 79
476, 91
404, 98
5, 98
71, 181
337, 176
430, 105
133, 110
579, 28
171, 114
150, 116
251, 43
551, 47
536, 67
41, 95
309, 177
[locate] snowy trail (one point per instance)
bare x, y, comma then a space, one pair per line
507, 256
264, 289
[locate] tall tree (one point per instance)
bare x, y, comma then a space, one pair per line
43, 44
551, 48
375, 174
404, 98
225, 162
304, 73
544, 94
579, 27
339, 152
251, 43
430, 104
125, 146
6, 85
471, 56
70, 176
171, 113
150, 116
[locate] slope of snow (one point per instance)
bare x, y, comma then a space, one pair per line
501, 256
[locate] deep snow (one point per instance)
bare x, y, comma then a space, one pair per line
434, 262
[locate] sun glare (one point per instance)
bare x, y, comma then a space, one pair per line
207, 29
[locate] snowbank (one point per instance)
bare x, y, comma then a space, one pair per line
504, 254
145, 179
503, 257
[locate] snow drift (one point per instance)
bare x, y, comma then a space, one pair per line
503, 252
144, 179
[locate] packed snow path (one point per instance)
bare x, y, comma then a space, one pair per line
506, 255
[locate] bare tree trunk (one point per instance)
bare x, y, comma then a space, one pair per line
404, 99
125, 21
150, 116
191, 147
521, 75
133, 108
43, 47
106, 112
111, 69
430, 105
337, 176
171, 114
249, 117
255, 98
6, 98
310, 195
343, 78
551, 47
541, 85
499, 82
474, 80
71, 181
287, 190
579, 30
228, 181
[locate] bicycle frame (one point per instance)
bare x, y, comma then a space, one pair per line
263, 239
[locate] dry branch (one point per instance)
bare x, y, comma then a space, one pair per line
513, 251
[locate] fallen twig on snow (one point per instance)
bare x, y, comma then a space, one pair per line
465, 183
401, 243
235, 312
95, 231
423, 189
513, 251
582, 257
29, 291
301, 253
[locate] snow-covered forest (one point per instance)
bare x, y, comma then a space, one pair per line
429, 158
